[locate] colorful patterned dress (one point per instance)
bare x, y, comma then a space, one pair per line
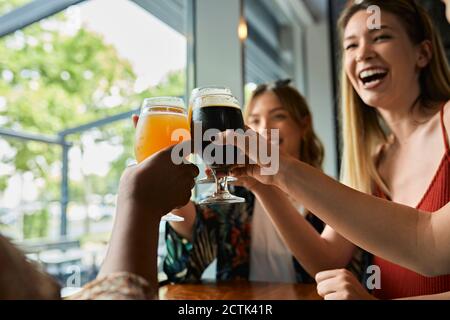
222, 232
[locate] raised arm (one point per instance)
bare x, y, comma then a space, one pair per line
407, 236
184, 228
417, 240
146, 192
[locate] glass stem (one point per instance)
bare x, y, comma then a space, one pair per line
221, 184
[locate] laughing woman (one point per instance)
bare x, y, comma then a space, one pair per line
396, 116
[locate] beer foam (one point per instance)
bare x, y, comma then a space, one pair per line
202, 91
170, 102
216, 101
157, 111
153, 114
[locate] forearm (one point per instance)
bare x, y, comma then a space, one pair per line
185, 228
384, 228
133, 246
311, 250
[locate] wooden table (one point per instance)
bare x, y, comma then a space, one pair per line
239, 290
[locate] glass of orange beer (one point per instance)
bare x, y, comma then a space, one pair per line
159, 118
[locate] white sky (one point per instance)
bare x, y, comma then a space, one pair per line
152, 47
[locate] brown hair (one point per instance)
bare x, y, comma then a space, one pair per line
362, 127
311, 148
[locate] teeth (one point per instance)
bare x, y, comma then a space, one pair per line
371, 72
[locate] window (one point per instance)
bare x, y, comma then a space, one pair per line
68, 86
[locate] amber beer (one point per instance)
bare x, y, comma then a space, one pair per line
159, 118
221, 112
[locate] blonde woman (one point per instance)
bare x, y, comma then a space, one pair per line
395, 110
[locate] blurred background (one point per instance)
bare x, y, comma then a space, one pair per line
72, 73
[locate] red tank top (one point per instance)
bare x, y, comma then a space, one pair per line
398, 282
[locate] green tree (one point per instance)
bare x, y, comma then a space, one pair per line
51, 81
36, 224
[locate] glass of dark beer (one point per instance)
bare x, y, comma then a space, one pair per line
211, 114
198, 92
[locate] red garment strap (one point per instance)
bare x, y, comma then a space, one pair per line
444, 132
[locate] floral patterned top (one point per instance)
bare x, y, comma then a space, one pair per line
222, 232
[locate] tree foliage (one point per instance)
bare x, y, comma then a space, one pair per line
53, 78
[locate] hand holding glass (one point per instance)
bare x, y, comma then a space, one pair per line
159, 118
219, 112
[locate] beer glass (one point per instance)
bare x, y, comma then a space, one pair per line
159, 118
198, 92
219, 112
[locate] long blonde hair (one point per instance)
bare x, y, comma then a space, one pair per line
311, 148
363, 129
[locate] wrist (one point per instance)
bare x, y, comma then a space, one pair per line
134, 212
281, 178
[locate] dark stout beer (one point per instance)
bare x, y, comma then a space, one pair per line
219, 112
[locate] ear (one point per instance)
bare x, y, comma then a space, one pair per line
425, 53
